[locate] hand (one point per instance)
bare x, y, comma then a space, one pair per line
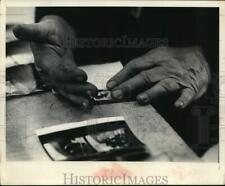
54, 58
161, 71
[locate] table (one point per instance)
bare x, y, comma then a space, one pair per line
26, 114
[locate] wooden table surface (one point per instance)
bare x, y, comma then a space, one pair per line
26, 114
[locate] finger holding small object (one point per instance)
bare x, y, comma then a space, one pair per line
158, 90
186, 97
77, 100
144, 79
128, 87
64, 74
129, 70
86, 89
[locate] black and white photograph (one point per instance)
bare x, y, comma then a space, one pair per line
108, 139
112, 84
165, 58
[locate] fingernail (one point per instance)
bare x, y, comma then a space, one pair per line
143, 98
111, 84
180, 104
117, 94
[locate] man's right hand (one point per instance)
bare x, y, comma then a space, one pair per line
54, 58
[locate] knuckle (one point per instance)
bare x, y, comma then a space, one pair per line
145, 77
169, 85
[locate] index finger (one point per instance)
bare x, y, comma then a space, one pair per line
129, 70
64, 74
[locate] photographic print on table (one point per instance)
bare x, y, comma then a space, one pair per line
105, 139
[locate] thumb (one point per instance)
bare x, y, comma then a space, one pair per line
31, 32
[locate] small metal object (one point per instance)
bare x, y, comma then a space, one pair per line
103, 96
